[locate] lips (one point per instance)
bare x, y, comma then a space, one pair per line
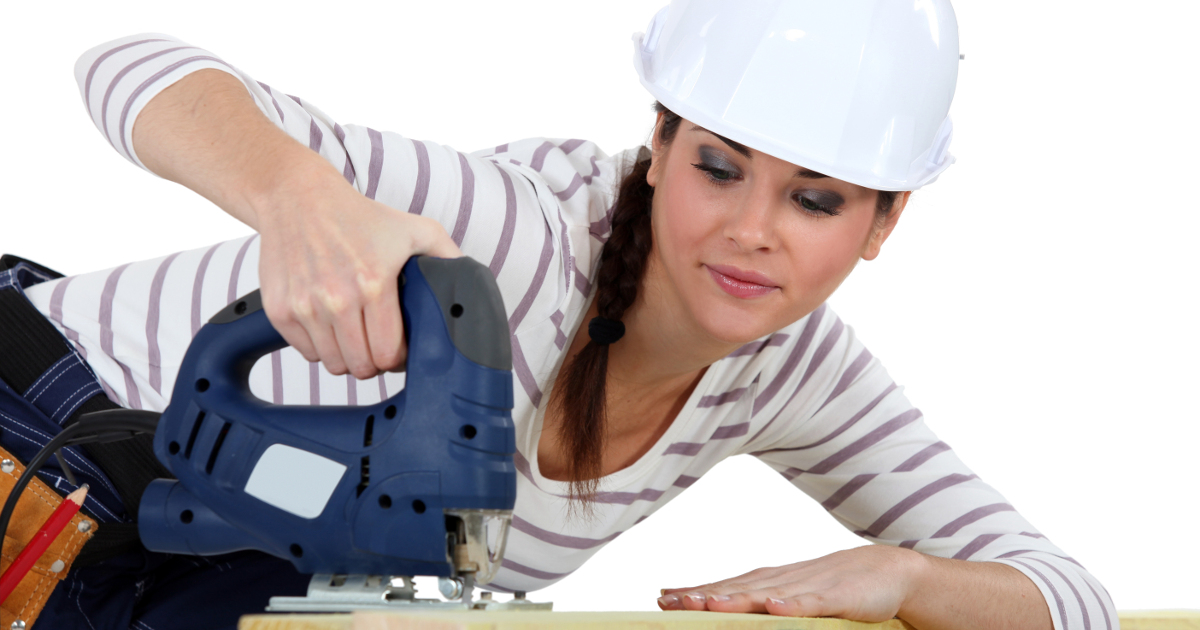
741, 283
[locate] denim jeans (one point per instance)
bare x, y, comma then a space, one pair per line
139, 590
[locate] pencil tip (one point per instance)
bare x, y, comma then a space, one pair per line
78, 496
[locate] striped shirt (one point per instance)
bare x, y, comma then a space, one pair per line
808, 400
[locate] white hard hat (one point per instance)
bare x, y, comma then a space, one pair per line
854, 89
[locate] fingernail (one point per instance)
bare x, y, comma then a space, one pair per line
718, 598
696, 597
668, 601
777, 602
662, 591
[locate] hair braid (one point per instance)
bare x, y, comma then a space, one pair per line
582, 401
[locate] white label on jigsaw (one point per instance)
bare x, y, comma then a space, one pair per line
294, 480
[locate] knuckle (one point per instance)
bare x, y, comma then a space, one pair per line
300, 308
363, 371
370, 285
776, 592
336, 369
278, 307
388, 358
761, 572
431, 232
815, 599
335, 304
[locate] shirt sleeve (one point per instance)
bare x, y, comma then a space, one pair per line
842, 431
517, 208
503, 206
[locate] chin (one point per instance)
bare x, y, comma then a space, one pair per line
738, 324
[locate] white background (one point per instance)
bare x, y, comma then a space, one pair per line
1038, 302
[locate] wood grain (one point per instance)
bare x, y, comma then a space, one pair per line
1160, 620
533, 620
677, 620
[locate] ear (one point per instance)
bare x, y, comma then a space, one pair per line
656, 154
880, 233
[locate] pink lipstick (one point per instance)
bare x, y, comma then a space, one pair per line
740, 283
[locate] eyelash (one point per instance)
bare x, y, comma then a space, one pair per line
816, 208
710, 173
810, 206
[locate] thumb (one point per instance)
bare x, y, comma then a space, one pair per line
445, 249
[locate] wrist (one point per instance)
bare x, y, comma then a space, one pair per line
920, 573
285, 181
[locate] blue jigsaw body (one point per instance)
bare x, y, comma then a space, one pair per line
339, 489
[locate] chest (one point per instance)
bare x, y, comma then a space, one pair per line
634, 424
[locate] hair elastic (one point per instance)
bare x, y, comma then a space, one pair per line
605, 331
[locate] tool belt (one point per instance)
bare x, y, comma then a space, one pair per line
37, 503
29, 346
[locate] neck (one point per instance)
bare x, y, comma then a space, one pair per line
664, 350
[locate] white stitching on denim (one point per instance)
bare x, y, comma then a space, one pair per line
82, 462
75, 404
90, 503
69, 370
79, 604
54, 415
69, 449
50, 370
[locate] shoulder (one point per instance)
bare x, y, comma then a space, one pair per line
580, 180
795, 372
565, 190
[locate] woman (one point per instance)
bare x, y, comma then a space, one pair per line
717, 259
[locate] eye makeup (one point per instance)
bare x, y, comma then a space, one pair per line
714, 158
717, 168
720, 170
825, 202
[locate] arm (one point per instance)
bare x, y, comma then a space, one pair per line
330, 255
878, 583
953, 552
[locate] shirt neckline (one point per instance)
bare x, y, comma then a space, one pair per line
626, 476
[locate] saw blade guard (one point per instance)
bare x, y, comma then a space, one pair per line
369, 489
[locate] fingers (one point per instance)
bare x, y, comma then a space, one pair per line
307, 328
801, 605
329, 281
384, 326
351, 338
431, 239
804, 605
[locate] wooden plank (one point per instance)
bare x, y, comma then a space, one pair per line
295, 622
676, 620
533, 620
1160, 620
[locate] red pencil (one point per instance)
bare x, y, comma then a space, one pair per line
41, 541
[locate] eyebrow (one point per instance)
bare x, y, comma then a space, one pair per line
745, 151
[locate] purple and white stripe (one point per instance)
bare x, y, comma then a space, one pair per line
809, 400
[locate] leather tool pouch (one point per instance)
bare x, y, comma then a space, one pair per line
34, 507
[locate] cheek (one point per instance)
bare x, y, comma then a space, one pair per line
684, 218
821, 257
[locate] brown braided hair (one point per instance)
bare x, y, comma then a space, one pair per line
622, 265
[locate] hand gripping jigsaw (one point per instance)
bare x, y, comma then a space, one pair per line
422, 483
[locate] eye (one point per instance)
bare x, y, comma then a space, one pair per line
718, 176
812, 207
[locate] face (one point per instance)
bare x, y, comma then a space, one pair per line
747, 243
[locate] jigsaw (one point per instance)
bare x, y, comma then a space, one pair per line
364, 497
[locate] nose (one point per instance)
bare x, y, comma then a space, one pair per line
751, 224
